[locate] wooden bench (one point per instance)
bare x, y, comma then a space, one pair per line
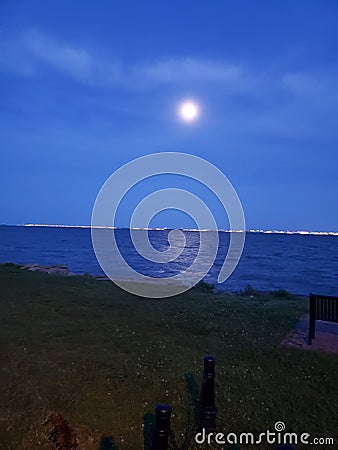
322, 307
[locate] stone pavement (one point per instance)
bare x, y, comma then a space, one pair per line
326, 339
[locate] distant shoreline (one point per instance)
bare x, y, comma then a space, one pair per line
288, 232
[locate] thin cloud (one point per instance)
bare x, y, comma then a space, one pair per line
319, 88
301, 83
41, 52
76, 63
191, 69
263, 106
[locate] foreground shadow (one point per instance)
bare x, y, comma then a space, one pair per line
148, 429
108, 443
193, 410
193, 395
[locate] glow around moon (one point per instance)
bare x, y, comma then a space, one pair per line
189, 111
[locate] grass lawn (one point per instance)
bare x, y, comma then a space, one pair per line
103, 358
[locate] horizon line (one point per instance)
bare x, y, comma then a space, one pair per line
301, 232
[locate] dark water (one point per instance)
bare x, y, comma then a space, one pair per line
298, 263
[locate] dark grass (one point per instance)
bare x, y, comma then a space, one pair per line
103, 358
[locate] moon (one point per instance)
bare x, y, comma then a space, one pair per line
189, 111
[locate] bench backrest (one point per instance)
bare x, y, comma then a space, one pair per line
324, 307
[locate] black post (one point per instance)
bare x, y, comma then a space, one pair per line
162, 427
208, 410
312, 319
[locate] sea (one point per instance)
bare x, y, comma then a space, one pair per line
298, 263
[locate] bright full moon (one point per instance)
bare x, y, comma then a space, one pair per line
189, 111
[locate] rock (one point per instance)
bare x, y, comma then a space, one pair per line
56, 269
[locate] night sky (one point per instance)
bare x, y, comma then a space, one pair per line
86, 87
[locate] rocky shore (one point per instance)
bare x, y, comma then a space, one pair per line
56, 269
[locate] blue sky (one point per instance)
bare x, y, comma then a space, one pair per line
86, 87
